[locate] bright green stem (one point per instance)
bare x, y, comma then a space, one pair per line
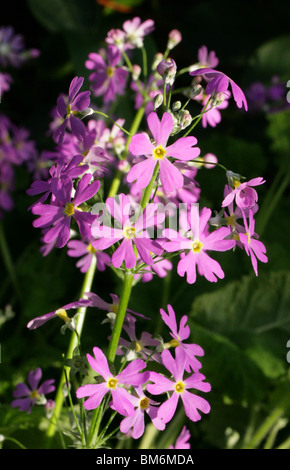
268, 424
134, 127
74, 341
114, 122
123, 304
148, 190
197, 120
8, 261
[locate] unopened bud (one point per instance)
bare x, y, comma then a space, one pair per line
167, 69
195, 91
218, 99
176, 106
174, 38
136, 70
157, 59
158, 100
210, 160
186, 119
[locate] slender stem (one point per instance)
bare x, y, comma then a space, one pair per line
8, 261
197, 120
12, 439
148, 190
74, 341
123, 304
112, 120
144, 59
134, 127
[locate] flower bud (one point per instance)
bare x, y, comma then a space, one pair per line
174, 38
167, 69
158, 100
195, 91
176, 106
218, 99
210, 159
136, 70
157, 59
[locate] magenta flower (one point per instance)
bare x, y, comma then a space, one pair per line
194, 245
108, 79
179, 388
58, 217
219, 82
27, 396
58, 313
243, 193
179, 335
134, 425
253, 247
207, 59
135, 31
67, 108
130, 375
129, 231
158, 153
182, 440
84, 250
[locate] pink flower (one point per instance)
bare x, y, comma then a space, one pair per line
129, 231
112, 383
179, 335
135, 425
158, 153
207, 59
253, 247
195, 242
27, 396
108, 78
243, 193
182, 440
219, 82
179, 388
136, 30
84, 250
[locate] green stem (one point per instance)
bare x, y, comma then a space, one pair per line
134, 127
8, 261
148, 190
144, 59
12, 439
112, 120
123, 304
197, 120
74, 341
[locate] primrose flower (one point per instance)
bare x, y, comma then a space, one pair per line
219, 82
29, 395
135, 31
182, 440
59, 313
207, 59
157, 153
130, 375
179, 388
133, 230
134, 425
194, 241
67, 108
179, 335
243, 193
253, 247
84, 250
108, 79
58, 217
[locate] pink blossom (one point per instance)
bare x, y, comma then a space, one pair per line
27, 396
178, 387
135, 425
130, 375
182, 440
194, 242
84, 250
207, 59
253, 247
179, 335
243, 193
219, 82
128, 230
158, 153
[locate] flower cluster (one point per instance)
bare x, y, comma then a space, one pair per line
152, 211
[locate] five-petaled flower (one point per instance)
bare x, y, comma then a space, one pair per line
26, 396
179, 386
157, 153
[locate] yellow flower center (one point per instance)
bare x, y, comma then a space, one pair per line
196, 246
110, 71
129, 232
112, 383
138, 346
179, 387
61, 313
236, 182
159, 153
249, 237
91, 249
173, 343
69, 209
34, 394
114, 308
231, 220
144, 403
